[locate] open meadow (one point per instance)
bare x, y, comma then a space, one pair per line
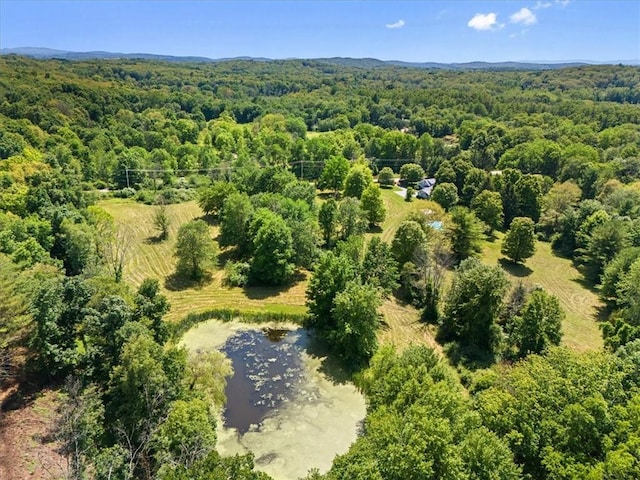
150, 258
559, 277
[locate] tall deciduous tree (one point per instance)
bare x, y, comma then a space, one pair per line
236, 215
465, 232
328, 220
488, 208
211, 199
446, 194
334, 174
356, 318
352, 220
195, 249
539, 324
411, 172
273, 252
379, 268
408, 239
373, 204
473, 304
519, 242
330, 277
357, 181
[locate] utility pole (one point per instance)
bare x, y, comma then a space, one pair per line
302, 169
126, 169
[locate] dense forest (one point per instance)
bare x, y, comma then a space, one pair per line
290, 162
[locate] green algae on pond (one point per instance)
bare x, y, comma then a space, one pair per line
280, 404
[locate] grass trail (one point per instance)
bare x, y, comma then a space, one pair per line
559, 277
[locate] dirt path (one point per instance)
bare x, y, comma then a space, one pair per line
25, 450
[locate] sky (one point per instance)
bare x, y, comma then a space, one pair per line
415, 31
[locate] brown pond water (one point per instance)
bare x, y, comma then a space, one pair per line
267, 371
286, 402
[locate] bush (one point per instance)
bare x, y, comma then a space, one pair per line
236, 274
126, 192
409, 195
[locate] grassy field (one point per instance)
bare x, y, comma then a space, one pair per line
559, 277
149, 258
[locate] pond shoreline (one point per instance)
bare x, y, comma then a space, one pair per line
320, 418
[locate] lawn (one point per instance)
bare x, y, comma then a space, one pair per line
559, 277
151, 259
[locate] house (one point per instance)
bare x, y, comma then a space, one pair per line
425, 186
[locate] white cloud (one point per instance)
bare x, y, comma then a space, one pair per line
525, 16
540, 5
484, 21
398, 24
563, 3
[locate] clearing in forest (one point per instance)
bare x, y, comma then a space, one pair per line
560, 278
149, 258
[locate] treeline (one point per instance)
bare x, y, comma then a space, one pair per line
553, 155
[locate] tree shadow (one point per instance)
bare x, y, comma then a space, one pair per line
176, 282
210, 220
261, 292
603, 312
331, 366
469, 357
326, 195
515, 269
584, 283
375, 229
227, 255
155, 239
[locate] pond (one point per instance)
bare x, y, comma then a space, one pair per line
286, 402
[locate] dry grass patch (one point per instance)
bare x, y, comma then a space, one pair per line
149, 258
403, 328
559, 277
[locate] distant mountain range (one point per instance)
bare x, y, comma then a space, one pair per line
36, 52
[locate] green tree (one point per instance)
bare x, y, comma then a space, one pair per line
519, 242
211, 199
58, 308
358, 180
528, 191
186, 436
328, 220
195, 249
465, 232
356, 318
373, 205
236, 215
603, 244
273, 252
330, 277
472, 306
539, 324
411, 172
446, 194
379, 268
386, 177
409, 194
352, 219
334, 174
161, 221
488, 208
407, 240
150, 308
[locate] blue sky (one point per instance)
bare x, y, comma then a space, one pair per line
441, 31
